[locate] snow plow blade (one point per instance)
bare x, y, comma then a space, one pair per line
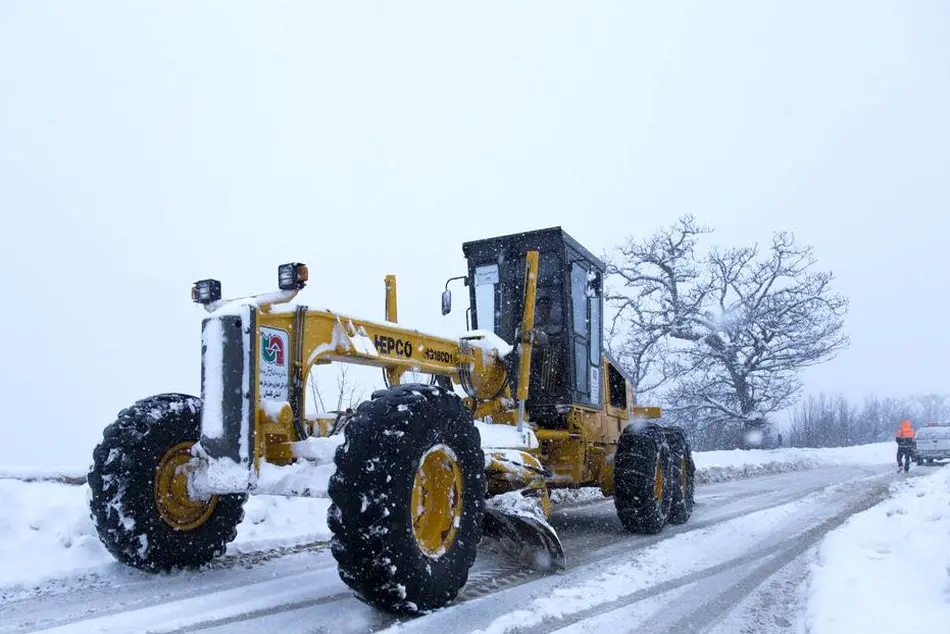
525, 537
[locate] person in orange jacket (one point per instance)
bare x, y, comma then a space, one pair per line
905, 445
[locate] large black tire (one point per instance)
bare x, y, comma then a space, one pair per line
642, 456
371, 513
682, 491
124, 499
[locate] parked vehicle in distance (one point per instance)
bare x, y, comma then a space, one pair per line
933, 443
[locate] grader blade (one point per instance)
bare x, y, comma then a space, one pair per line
526, 537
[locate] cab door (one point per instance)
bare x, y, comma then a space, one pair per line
586, 316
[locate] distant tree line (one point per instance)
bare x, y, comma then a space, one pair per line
831, 421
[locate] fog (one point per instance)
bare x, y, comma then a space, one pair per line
144, 145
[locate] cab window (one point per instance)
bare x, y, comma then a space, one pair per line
486, 282
618, 387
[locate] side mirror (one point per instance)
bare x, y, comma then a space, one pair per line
446, 302
447, 294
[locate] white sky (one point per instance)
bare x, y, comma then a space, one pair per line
146, 145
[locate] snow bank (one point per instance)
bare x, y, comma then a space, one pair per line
46, 531
737, 464
29, 474
886, 569
720, 466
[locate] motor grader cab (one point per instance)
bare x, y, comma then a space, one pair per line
568, 365
567, 359
418, 474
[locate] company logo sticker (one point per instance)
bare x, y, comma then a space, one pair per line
272, 349
274, 368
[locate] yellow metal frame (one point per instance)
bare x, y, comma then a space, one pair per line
331, 337
580, 455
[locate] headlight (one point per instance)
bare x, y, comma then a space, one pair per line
292, 276
206, 291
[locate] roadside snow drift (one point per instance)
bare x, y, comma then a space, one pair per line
887, 569
719, 466
46, 531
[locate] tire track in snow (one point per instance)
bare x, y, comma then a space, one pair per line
137, 590
257, 557
587, 538
504, 575
17, 593
499, 575
763, 562
254, 614
591, 544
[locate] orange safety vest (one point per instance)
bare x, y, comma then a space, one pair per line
905, 431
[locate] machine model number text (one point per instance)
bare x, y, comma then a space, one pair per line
440, 356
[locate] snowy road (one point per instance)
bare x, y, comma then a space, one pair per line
735, 567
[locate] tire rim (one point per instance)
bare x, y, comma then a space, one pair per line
658, 481
174, 505
437, 501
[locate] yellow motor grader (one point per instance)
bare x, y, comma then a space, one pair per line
524, 402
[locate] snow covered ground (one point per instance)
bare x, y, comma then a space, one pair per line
708, 575
46, 531
887, 569
739, 566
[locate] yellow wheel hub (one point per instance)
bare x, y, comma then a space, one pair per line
437, 501
175, 507
658, 481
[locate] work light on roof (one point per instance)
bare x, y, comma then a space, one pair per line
292, 276
206, 291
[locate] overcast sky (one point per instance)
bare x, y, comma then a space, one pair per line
146, 145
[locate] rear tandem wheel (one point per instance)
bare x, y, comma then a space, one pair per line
643, 479
684, 475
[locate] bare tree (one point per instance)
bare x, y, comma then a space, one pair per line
348, 392
748, 322
639, 333
644, 356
